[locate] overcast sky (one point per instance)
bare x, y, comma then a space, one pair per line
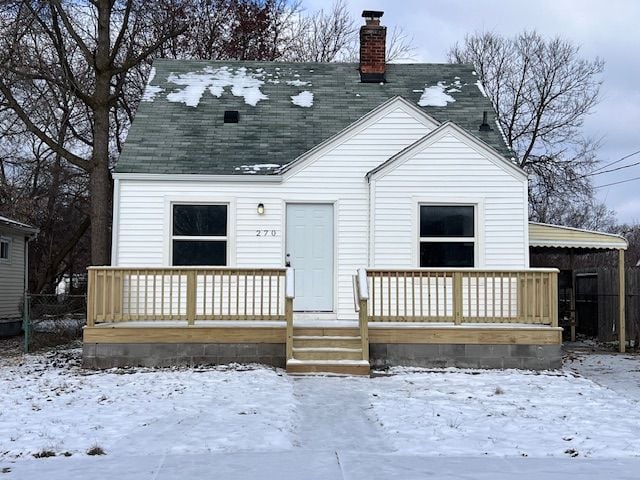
608, 29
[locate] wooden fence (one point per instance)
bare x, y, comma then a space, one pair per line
463, 296
186, 294
606, 304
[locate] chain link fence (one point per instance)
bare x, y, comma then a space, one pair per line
50, 320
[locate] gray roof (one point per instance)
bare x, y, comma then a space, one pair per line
4, 221
171, 137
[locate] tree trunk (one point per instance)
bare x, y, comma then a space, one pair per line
100, 181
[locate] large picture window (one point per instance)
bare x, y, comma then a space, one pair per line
199, 234
447, 236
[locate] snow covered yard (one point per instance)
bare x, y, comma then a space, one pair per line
48, 403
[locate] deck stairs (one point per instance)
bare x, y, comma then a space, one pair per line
334, 351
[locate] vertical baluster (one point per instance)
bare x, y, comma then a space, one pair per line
389, 294
478, 294
245, 294
171, 294
437, 275
373, 291
253, 304
525, 297
486, 295
269, 309
221, 306
261, 295
413, 295
541, 297
238, 294
421, 297
229, 294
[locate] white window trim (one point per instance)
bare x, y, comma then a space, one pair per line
229, 238
9, 243
478, 227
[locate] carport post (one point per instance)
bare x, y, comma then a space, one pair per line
621, 301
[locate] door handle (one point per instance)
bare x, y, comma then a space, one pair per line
287, 261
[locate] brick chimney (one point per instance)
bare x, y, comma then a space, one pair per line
373, 38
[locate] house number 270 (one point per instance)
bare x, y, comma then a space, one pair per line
265, 233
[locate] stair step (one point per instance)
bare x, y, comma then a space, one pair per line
336, 367
327, 353
326, 341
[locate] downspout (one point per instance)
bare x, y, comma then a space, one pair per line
370, 225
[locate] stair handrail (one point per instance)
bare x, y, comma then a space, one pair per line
362, 289
289, 295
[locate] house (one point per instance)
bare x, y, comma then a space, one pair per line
322, 215
14, 273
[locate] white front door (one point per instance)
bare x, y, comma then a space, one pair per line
309, 249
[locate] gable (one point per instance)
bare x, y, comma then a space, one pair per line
389, 128
180, 129
463, 137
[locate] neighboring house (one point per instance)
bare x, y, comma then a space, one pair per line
244, 168
14, 261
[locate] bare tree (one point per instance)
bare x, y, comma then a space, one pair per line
542, 91
332, 36
85, 51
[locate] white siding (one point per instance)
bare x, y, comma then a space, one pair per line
337, 176
12, 277
450, 170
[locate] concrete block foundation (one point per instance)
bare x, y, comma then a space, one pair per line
111, 355
530, 357
382, 355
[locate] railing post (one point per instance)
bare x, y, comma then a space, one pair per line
288, 308
457, 298
91, 300
553, 308
363, 314
191, 296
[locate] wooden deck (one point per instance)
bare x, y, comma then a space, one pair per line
247, 306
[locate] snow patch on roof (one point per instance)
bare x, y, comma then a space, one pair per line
435, 96
303, 99
257, 167
243, 84
298, 83
504, 137
481, 88
150, 91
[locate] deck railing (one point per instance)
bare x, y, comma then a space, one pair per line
188, 294
463, 296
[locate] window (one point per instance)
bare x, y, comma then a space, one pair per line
199, 234
5, 250
447, 236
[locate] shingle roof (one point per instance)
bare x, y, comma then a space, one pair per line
173, 138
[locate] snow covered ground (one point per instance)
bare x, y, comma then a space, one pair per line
48, 403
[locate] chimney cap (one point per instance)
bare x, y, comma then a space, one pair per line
372, 13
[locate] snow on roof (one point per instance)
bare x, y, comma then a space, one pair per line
257, 167
242, 82
298, 83
303, 99
481, 88
435, 96
150, 91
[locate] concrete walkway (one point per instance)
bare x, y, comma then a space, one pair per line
324, 404
317, 465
